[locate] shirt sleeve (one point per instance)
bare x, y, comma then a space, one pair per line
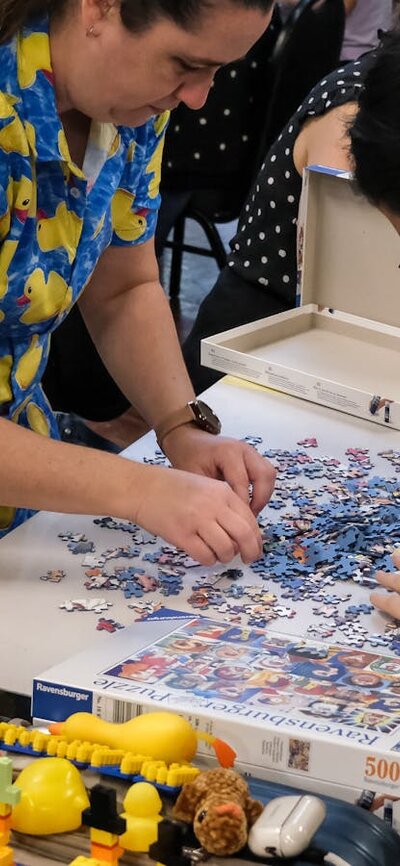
135, 204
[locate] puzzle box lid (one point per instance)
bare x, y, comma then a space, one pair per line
349, 252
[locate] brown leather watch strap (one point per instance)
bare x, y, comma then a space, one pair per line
181, 416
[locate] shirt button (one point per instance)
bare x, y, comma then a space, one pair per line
75, 191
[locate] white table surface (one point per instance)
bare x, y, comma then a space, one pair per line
35, 633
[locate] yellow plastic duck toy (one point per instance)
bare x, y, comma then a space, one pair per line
52, 800
142, 806
163, 736
43, 298
127, 225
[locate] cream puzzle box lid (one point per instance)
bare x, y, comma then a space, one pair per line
340, 346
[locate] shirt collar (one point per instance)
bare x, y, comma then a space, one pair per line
36, 86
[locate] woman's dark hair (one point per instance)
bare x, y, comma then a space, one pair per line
136, 15
375, 132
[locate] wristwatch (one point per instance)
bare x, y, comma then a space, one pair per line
195, 412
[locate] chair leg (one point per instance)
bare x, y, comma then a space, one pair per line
177, 257
214, 239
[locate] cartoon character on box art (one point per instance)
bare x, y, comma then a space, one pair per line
386, 704
223, 689
184, 680
231, 672
230, 652
272, 697
211, 631
186, 645
364, 679
375, 720
355, 659
323, 672
386, 666
272, 678
325, 710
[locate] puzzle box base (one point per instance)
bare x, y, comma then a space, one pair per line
275, 709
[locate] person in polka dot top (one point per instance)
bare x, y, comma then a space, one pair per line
349, 121
260, 276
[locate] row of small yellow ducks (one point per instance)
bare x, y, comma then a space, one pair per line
96, 756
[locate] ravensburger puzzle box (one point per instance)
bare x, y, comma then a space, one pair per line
340, 347
320, 717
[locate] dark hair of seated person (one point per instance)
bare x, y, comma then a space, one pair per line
375, 132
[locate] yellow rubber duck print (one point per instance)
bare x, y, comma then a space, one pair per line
29, 364
62, 230
33, 55
161, 122
6, 363
7, 515
66, 156
7, 251
37, 420
99, 227
24, 204
114, 146
19, 410
5, 219
128, 225
131, 151
12, 133
30, 132
43, 298
154, 168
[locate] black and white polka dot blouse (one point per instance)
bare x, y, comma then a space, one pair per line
264, 248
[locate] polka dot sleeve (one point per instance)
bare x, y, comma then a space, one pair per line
264, 248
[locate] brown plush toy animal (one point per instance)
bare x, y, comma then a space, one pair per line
218, 804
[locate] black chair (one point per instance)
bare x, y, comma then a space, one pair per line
210, 154
302, 51
307, 48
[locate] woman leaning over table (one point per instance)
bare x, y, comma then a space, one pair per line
85, 91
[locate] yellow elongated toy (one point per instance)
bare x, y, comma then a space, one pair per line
161, 736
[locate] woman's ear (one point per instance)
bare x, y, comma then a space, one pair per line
93, 12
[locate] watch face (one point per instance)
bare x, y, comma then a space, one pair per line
205, 417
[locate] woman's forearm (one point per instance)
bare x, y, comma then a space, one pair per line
43, 474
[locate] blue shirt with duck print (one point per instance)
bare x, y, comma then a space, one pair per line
56, 220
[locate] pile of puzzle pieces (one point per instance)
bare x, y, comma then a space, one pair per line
329, 524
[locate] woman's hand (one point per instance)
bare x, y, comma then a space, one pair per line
204, 517
251, 476
389, 602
